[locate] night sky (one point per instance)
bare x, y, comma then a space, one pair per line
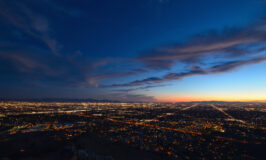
133, 50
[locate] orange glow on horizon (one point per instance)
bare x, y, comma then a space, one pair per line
195, 98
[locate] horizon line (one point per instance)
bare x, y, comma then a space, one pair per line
117, 101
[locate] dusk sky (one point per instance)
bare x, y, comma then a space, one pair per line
133, 50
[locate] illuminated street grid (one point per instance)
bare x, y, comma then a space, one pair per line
174, 131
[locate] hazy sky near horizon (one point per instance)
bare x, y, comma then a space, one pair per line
133, 50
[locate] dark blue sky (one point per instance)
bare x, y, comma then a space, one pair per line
153, 50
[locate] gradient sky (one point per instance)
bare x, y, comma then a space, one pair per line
133, 50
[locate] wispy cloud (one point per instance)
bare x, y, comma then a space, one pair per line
220, 68
140, 88
236, 47
231, 65
228, 42
95, 80
206, 53
32, 23
36, 63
